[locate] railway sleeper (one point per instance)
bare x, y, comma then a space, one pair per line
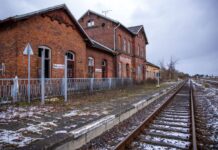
136, 145
172, 123
172, 127
167, 129
169, 135
175, 116
176, 111
176, 119
165, 142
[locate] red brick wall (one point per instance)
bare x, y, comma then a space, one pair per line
103, 34
39, 30
8, 52
98, 56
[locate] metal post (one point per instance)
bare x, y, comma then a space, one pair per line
43, 77
91, 84
158, 79
65, 78
28, 86
15, 89
110, 81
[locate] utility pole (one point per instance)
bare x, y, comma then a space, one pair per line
105, 12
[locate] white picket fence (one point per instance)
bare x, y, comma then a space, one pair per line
15, 89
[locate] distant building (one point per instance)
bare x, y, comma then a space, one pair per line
152, 71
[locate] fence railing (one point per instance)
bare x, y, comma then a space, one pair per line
15, 89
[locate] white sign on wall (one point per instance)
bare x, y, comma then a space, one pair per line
98, 70
58, 66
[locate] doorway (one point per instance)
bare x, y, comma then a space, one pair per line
104, 68
47, 60
70, 65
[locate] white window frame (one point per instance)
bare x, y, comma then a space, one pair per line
91, 62
71, 53
90, 23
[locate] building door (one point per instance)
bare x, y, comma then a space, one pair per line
104, 69
47, 60
70, 65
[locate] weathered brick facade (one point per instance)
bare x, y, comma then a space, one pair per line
99, 57
102, 48
55, 30
130, 46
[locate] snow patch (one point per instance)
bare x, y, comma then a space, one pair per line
71, 113
61, 132
15, 138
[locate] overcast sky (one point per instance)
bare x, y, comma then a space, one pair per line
187, 30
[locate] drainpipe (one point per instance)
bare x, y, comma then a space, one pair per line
116, 64
115, 35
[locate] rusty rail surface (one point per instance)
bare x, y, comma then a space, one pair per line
194, 140
128, 140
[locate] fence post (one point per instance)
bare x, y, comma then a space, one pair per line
91, 84
43, 77
65, 79
110, 80
15, 89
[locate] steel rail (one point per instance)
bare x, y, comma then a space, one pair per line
194, 140
127, 141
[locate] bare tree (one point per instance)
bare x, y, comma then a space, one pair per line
168, 71
172, 68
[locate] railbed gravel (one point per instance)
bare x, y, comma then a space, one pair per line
112, 137
206, 116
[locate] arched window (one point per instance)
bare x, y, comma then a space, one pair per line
91, 64
138, 50
90, 23
127, 71
119, 42
124, 44
129, 47
70, 64
47, 60
145, 52
104, 68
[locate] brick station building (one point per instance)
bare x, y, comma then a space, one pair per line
129, 43
100, 47
56, 31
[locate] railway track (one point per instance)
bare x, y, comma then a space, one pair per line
170, 126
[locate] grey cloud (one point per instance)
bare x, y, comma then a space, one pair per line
185, 29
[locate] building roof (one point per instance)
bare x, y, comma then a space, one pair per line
153, 65
102, 47
43, 11
135, 29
